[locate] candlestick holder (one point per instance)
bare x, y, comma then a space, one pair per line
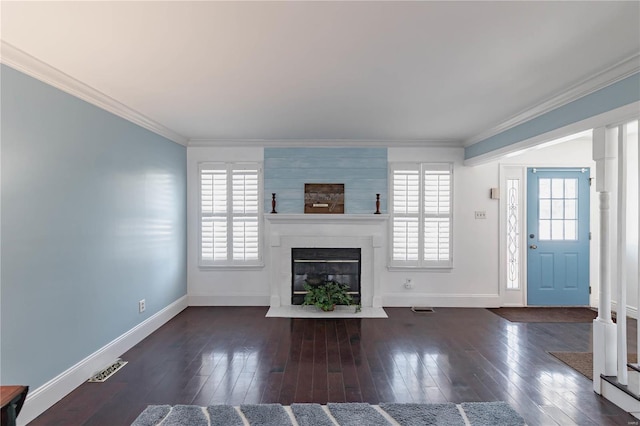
273, 203
377, 204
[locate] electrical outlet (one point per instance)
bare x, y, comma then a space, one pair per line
408, 284
481, 214
141, 306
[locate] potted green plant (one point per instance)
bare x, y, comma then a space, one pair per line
327, 295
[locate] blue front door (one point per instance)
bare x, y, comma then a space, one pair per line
557, 237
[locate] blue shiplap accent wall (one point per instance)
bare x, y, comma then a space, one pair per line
363, 171
619, 94
93, 220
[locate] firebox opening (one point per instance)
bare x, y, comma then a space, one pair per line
317, 265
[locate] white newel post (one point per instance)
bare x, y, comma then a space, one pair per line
621, 287
604, 330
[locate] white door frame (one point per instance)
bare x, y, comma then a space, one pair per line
518, 297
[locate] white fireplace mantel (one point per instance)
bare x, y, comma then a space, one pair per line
327, 218
364, 231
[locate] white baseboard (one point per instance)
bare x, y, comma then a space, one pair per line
441, 300
631, 310
229, 300
57, 388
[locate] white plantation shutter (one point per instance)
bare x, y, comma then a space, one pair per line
245, 238
405, 238
406, 211
421, 215
229, 214
245, 191
213, 205
245, 214
436, 239
437, 213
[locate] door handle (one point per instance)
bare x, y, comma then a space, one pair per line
533, 246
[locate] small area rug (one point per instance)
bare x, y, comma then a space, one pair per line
531, 314
345, 414
582, 362
301, 311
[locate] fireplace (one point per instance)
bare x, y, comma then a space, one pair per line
317, 265
325, 231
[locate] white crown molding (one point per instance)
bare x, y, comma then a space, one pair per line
345, 143
600, 80
27, 64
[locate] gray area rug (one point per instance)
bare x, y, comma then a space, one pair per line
223, 415
491, 413
357, 414
424, 414
311, 415
343, 414
266, 415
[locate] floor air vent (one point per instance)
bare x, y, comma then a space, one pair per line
421, 309
103, 375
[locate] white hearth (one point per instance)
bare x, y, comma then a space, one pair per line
287, 231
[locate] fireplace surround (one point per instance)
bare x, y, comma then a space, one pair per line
285, 232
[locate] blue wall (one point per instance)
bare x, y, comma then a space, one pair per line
362, 170
619, 94
93, 220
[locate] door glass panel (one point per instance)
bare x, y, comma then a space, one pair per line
570, 188
557, 209
545, 209
570, 229
558, 201
570, 209
557, 188
557, 230
545, 188
513, 234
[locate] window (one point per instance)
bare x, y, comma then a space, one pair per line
513, 234
230, 206
421, 218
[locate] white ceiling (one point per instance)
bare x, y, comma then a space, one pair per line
327, 70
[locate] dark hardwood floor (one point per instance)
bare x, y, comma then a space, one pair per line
234, 355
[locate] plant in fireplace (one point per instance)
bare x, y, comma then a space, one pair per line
327, 295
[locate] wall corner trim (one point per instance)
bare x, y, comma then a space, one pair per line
33, 67
57, 388
621, 114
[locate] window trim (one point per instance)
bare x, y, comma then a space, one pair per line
421, 263
230, 166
